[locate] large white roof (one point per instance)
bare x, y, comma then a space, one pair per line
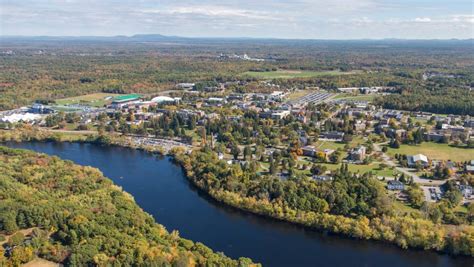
21, 117
420, 157
160, 99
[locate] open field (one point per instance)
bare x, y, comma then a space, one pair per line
96, 100
329, 145
356, 168
435, 151
355, 97
38, 262
289, 74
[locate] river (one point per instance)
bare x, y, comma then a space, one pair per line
161, 189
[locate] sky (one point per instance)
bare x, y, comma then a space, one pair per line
301, 19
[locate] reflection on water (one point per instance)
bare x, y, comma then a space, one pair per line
160, 188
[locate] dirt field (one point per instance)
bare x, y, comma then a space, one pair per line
38, 262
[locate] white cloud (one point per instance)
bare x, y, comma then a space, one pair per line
254, 18
422, 19
210, 11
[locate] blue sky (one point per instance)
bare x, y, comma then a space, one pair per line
308, 19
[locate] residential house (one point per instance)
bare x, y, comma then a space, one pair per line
322, 178
395, 185
358, 153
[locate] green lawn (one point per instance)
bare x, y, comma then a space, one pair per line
329, 145
435, 151
373, 167
289, 74
356, 97
95, 100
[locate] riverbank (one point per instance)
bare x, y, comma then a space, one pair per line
71, 214
403, 231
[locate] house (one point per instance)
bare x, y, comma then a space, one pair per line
395, 185
358, 153
359, 126
277, 95
466, 190
470, 167
469, 124
185, 86
280, 114
303, 137
311, 151
435, 136
394, 133
418, 159
322, 178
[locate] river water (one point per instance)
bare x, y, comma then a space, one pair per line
161, 189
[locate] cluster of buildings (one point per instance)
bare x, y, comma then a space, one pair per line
240, 57
365, 90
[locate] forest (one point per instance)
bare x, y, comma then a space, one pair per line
351, 204
48, 70
69, 214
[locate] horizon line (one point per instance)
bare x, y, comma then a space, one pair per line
233, 37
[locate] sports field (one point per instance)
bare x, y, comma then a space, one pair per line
289, 74
95, 100
436, 151
355, 97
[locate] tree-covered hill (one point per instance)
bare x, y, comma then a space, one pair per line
70, 214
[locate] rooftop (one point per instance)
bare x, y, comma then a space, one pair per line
123, 98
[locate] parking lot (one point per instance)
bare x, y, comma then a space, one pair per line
315, 98
432, 193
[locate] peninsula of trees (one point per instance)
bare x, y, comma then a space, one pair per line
66, 213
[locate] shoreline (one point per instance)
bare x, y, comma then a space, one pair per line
224, 197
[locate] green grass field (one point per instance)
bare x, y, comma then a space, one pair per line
94, 100
289, 74
373, 167
435, 151
355, 97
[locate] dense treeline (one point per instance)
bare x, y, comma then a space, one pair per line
356, 206
444, 101
80, 218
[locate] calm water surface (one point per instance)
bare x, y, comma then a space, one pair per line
161, 189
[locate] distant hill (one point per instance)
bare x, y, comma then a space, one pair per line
165, 38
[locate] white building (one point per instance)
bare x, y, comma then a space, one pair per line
418, 158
